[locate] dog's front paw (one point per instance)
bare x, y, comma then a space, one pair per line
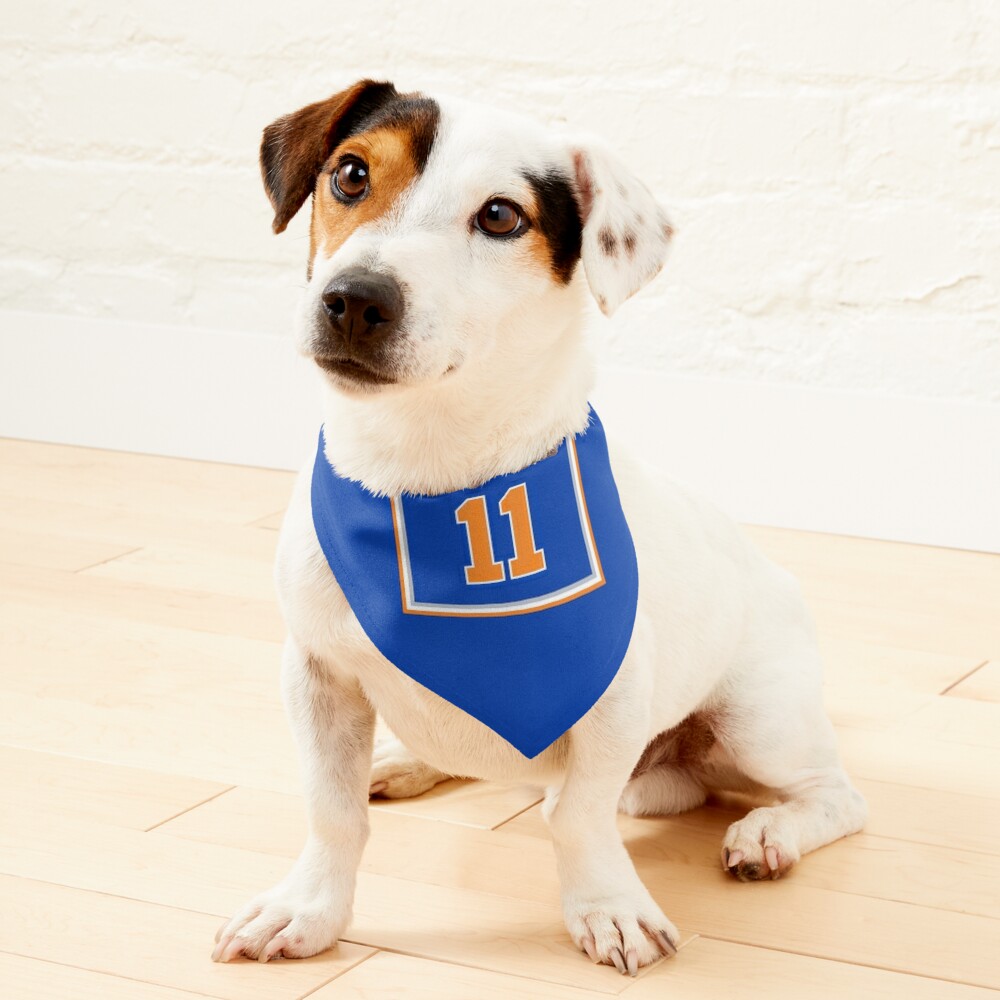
620, 931
286, 922
762, 845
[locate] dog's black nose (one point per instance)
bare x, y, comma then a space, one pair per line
362, 307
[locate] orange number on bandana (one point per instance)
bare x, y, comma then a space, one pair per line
527, 559
483, 567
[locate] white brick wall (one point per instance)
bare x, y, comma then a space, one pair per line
833, 167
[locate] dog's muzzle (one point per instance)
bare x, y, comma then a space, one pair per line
360, 313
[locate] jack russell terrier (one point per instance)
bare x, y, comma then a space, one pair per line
457, 558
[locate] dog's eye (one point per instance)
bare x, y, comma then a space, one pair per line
498, 217
350, 179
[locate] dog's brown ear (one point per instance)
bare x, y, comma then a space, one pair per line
626, 233
295, 147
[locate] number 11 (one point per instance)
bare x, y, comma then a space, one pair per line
527, 559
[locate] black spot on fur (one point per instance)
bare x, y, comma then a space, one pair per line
628, 238
558, 220
608, 242
419, 115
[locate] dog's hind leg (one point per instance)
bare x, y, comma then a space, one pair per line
397, 774
667, 778
782, 739
663, 790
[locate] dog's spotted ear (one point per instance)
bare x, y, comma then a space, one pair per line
626, 233
295, 147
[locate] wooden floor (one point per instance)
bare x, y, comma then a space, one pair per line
150, 785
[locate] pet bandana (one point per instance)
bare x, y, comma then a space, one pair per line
514, 600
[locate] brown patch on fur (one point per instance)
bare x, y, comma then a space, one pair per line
684, 746
608, 242
393, 165
294, 148
584, 184
668, 231
628, 239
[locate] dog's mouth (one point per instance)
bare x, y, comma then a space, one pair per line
353, 370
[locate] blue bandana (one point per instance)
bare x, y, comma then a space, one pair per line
514, 600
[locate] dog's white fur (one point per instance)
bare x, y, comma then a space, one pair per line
493, 374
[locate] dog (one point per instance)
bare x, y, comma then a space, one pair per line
451, 251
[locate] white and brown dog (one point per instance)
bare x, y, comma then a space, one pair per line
444, 310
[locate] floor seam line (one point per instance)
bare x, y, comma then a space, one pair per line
841, 961
169, 819
104, 562
111, 975
520, 812
965, 677
361, 961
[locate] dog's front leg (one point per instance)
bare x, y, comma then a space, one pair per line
308, 910
609, 912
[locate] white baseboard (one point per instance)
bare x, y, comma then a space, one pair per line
903, 468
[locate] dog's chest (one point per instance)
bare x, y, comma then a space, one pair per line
322, 622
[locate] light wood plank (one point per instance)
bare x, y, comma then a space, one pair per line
930, 816
904, 596
468, 803
850, 663
137, 691
966, 721
275, 823
90, 930
55, 550
925, 875
913, 759
963, 629
33, 979
871, 706
139, 602
157, 697
129, 528
128, 735
77, 789
121, 481
239, 562
868, 569
272, 522
709, 969
387, 975
983, 685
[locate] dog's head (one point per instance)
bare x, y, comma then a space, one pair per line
442, 231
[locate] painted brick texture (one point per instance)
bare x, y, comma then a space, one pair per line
832, 168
